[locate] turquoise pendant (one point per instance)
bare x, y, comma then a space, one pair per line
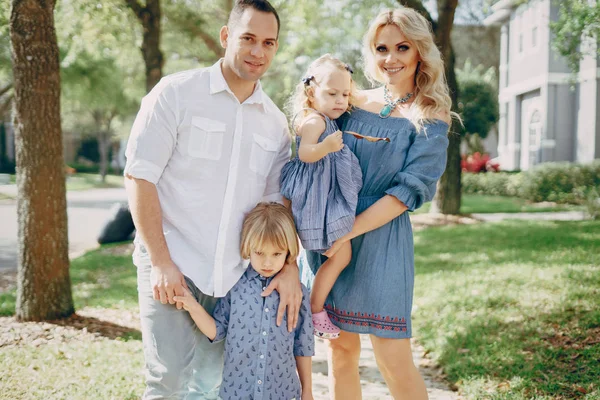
385, 111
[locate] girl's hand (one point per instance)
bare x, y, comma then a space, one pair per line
188, 301
334, 142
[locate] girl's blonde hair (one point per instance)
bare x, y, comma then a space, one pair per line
432, 95
269, 223
299, 101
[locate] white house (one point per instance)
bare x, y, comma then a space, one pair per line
543, 116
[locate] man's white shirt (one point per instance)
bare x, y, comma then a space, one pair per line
212, 160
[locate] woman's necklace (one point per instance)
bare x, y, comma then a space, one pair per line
391, 104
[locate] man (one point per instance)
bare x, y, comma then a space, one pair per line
206, 147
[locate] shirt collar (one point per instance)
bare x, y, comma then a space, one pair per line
219, 84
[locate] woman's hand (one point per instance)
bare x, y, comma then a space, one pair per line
337, 245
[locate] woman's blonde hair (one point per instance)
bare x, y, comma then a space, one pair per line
269, 223
432, 95
299, 101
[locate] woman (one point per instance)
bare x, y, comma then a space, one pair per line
373, 295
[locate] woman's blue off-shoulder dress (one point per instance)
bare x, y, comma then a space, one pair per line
324, 194
374, 292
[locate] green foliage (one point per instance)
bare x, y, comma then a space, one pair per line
577, 30
494, 184
478, 99
559, 182
565, 183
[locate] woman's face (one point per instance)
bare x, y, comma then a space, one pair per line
395, 57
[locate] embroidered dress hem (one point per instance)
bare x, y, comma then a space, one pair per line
390, 327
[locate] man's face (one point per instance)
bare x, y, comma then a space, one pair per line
251, 44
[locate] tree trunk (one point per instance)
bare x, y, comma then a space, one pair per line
448, 196
149, 16
44, 285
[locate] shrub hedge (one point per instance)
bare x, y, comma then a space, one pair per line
560, 182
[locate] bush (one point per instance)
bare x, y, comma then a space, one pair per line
494, 184
559, 182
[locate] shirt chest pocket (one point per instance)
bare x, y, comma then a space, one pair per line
262, 154
206, 138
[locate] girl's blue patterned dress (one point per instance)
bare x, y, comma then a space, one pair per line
324, 194
374, 293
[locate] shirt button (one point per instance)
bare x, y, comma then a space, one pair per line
262, 356
264, 288
259, 382
264, 333
267, 309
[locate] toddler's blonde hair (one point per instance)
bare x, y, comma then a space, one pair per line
269, 223
299, 101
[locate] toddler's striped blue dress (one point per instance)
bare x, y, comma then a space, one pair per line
324, 194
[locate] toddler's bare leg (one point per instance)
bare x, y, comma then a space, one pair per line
326, 276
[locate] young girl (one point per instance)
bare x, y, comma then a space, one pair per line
259, 355
323, 180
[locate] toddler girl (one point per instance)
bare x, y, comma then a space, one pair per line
323, 180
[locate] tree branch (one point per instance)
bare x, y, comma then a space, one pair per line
6, 89
446, 11
137, 8
418, 6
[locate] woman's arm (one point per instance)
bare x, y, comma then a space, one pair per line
383, 211
310, 150
304, 366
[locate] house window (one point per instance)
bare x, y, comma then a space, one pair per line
535, 138
534, 32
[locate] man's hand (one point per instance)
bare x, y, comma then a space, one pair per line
167, 281
287, 283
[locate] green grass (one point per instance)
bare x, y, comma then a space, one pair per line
510, 310
472, 204
78, 369
98, 279
99, 368
92, 181
81, 181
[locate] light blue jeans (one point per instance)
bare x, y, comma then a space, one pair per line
180, 361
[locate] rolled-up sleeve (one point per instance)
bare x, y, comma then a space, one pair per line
221, 317
153, 135
425, 162
273, 188
304, 341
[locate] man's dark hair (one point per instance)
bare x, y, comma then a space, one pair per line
258, 5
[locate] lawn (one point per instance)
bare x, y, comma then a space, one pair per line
509, 310
472, 204
81, 181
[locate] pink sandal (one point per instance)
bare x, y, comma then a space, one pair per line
323, 327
